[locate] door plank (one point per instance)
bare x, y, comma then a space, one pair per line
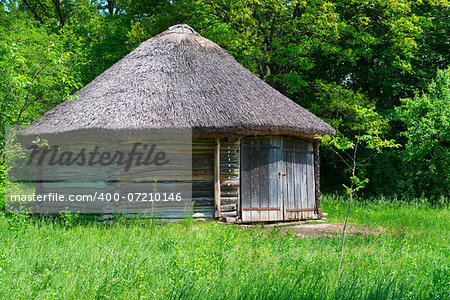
255, 176
246, 181
298, 182
275, 163
310, 178
263, 184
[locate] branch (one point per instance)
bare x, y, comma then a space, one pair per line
58, 10
355, 150
44, 9
23, 107
349, 156
343, 160
345, 227
367, 158
32, 81
34, 12
12, 133
14, 96
2, 129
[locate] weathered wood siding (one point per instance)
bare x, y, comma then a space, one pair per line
317, 178
203, 177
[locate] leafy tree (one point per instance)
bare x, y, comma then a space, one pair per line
434, 43
367, 133
33, 71
330, 55
52, 13
360, 45
427, 150
34, 75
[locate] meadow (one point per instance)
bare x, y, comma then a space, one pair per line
70, 258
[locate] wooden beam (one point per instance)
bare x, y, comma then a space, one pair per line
261, 208
300, 209
217, 177
317, 178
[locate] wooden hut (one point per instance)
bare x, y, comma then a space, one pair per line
262, 163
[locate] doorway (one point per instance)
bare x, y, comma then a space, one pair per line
277, 179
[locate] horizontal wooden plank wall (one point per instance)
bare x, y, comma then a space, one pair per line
229, 177
73, 180
201, 176
112, 179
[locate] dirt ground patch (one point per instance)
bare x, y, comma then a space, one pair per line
325, 229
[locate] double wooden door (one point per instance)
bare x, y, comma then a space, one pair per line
277, 179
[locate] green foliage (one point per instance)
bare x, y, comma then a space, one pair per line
427, 151
17, 221
68, 218
2, 187
292, 44
34, 71
357, 183
53, 14
367, 129
332, 55
337, 105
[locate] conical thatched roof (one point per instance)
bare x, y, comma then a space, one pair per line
179, 79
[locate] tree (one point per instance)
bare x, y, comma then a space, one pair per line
360, 45
330, 55
34, 75
367, 133
426, 117
52, 13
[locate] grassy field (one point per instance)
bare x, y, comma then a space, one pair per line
143, 259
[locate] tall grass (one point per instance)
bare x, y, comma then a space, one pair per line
146, 259
414, 217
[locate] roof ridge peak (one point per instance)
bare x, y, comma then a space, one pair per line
182, 28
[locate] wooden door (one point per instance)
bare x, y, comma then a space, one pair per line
261, 160
277, 179
299, 202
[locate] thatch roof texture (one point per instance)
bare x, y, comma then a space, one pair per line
179, 79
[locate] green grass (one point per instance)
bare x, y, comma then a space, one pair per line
143, 259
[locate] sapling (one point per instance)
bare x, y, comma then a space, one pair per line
367, 129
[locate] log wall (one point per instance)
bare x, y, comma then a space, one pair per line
87, 180
230, 159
